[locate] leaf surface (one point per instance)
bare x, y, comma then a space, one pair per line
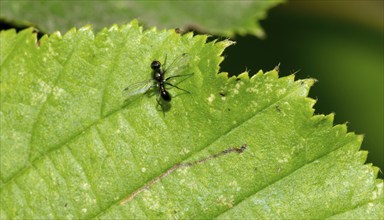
73, 146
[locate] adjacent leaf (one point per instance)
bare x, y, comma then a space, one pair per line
73, 146
216, 17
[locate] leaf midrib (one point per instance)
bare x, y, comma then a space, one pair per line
112, 113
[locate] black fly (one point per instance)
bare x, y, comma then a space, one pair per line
158, 80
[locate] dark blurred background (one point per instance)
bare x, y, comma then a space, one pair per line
339, 43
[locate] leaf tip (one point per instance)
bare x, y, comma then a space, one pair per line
223, 75
244, 76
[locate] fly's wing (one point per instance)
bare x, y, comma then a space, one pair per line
138, 88
178, 65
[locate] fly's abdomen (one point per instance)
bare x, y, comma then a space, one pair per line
166, 96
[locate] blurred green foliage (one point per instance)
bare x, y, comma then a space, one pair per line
209, 16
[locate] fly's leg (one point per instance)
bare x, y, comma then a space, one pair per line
160, 103
190, 74
164, 64
177, 87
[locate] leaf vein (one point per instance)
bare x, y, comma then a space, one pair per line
92, 187
43, 106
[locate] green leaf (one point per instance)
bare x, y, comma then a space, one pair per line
73, 146
216, 17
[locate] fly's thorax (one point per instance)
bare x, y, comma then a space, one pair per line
158, 76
